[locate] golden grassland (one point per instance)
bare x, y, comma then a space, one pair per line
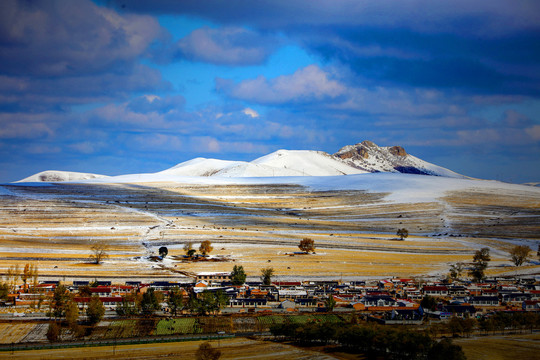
256, 226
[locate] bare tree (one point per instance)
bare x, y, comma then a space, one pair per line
206, 247
207, 352
456, 270
519, 254
99, 252
266, 275
402, 233
307, 245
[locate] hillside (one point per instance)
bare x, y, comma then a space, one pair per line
372, 158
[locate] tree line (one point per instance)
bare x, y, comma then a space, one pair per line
373, 341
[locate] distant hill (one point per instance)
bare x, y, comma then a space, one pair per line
364, 157
59, 176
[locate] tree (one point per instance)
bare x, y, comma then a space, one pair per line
207, 352
206, 247
72, 318
238, 276
266, 275
30, 271
163, 251
99, 252
330, 303
72, 314
85, 291
429, 302
128, 306
519, 254
188, 248
95, 310
4, 291
207, 302
176, 300
149, 302
402, 233
60, 301
456, 270
480, 262
307, 245
53, 333
445, 350
13, 274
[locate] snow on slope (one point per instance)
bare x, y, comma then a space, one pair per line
57, 176
200, 167
279, 163
311, 163
401, 188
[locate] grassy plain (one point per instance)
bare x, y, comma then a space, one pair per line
258, 226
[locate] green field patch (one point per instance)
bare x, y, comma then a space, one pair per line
176, 326
121, 329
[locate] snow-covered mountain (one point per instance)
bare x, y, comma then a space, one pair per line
372, 158
365, 157
58, 176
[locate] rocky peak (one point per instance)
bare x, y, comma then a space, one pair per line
397, 151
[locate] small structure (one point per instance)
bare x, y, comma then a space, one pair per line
216, 277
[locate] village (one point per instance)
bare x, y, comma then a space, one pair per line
398, 299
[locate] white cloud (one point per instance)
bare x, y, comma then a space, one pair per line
226, 46
306, 85
251, 112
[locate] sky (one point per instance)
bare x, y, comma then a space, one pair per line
117, 87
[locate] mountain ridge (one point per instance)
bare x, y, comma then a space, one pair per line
364, 157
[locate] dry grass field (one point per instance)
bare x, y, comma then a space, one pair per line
509, 347
236, 348
258, 226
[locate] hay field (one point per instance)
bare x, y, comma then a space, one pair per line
256, 226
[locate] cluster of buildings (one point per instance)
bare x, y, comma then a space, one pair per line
389, 299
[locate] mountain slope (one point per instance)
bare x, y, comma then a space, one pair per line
372, 158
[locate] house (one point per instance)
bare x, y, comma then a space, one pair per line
378, 300
214, 276
483, 300
516, 297
435, 290
459, 310
247, 302
291, 294
531, 305
307, 302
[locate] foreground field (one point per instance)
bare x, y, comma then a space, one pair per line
236, 348
260, 225
501, 347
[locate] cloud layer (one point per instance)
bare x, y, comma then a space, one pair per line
103, 85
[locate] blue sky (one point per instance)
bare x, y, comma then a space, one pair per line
115, 87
